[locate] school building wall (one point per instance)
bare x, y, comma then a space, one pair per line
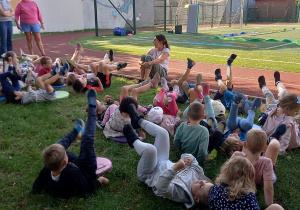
70, 15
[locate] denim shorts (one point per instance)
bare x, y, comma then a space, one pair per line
30, 27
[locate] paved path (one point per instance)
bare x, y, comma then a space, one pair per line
245, 79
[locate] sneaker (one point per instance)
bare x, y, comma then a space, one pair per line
190, 63
276, 77
64, 70
278, 132
256, 104
221, 126
211, 121
105, 56
121, 66
186, 87
134, 115
71, 63
198, 79
111, 55
155, 80
164, 84
130, 134
115, 64
238, 96
99, 125
145, 82
261, 81
91, 96
79, 126
218, 74
28, 79
79, 47
231, 59
56, 69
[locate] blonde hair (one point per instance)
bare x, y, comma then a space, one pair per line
53, 156
239, 174
196, 111
289, 101
256, 140
228, 148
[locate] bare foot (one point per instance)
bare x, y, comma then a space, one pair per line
179, 165
103, 180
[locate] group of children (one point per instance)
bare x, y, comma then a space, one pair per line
205, 128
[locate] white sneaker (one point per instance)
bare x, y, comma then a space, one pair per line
105, 56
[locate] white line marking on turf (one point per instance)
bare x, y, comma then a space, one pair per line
277, 46
251, 59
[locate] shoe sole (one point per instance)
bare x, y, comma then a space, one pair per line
185, 87
193, 62
198, 79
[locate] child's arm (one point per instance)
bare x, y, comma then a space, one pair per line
269, 192
168, 189
285, 139
99, 82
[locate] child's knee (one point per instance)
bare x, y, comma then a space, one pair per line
274, 145
223, 88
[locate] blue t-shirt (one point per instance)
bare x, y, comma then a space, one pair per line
241, 133
218, 199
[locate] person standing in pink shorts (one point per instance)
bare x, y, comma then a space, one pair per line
30, 16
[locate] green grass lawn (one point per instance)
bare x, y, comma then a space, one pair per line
252, 48
27, 129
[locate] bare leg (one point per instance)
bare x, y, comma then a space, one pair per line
29, 42
222, 86
108, 68
75, 56
141, 89
125, 90
183, 78
44, 80
229, 78
79, 70
192, 95
146, 73
38, 39
101, 65
273, 150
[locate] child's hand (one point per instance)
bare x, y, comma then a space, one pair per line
103, 180
178, 113
117, 103
142, 135
179, 165
107, 98
96, 79
140, 62
263, 108
187, 160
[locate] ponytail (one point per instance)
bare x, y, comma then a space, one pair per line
162, 38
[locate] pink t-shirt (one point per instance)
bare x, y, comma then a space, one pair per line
28, 12
263, 168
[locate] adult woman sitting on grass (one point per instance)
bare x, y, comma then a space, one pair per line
157, 59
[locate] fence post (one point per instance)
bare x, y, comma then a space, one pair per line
96, 17
165, 15
134, 18
230, 13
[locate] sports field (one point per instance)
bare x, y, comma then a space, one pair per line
273, 47
27, 129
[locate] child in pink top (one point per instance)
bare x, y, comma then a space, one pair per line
30, 16
255, 144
